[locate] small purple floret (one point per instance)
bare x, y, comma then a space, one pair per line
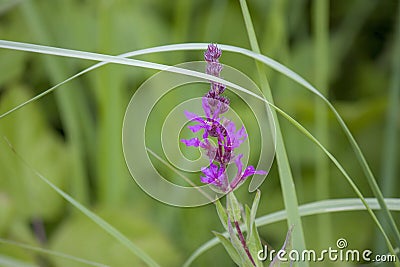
214, 175
212, 53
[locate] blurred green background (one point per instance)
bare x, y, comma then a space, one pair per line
73, 136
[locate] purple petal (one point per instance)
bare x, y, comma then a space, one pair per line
207, 180
209, 148
250, 171
239, 165
236, 138
206, 107
193, 116
210, 171
191, 142
196, 128
230, 128
241, 133
214, 175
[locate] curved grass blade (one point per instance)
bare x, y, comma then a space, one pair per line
96, 219
285, 173
391, 135
51, 253
313, 208
345, 174
273, 64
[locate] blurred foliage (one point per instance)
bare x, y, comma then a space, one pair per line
73, 136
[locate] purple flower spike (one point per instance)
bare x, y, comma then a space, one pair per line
214, 175
221, 153
212, 53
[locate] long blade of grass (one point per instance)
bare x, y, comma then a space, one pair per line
96, 219
313, 208
285, 173
345, 174
273, 64
51, 252
391, 137
321, 40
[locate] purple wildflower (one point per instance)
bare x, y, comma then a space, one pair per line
224, 130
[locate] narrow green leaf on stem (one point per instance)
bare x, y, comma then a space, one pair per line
254, 243
286, 245
228, 247
254, 206
248, 222
222, 214
233, 207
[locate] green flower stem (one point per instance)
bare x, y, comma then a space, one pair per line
243, 241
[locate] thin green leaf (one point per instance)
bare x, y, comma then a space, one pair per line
284, 247
222, 214
228, 247
233, 207
254, 244
248, 222
254, 209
